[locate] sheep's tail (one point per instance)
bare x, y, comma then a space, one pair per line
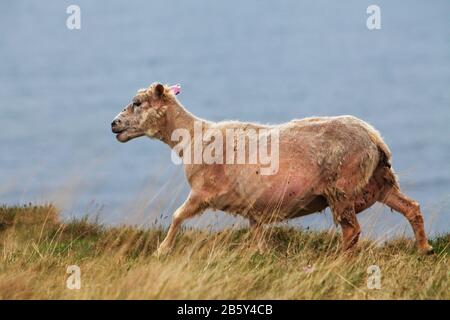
385, 156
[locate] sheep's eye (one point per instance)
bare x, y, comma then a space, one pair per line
136, 102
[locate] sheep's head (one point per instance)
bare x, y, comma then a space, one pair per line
145, 115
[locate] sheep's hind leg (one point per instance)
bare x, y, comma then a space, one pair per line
191, 207
411, 210
345, 215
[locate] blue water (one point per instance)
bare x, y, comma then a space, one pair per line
248, 60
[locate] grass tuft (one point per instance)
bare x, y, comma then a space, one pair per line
118, 263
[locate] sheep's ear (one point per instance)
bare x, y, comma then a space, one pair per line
159, 90
176, 89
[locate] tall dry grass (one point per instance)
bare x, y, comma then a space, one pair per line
117, 263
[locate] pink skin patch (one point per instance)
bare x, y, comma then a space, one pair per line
176, 89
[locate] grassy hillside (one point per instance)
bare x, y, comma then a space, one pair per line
36, 249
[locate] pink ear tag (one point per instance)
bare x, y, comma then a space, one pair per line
176, 89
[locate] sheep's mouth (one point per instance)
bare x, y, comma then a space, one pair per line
127, 134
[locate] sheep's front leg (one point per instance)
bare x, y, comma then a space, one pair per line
191, 207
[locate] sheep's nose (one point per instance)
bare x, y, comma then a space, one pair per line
115, 124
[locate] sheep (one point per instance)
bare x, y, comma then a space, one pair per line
337, 162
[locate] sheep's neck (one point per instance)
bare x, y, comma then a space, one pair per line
180, 118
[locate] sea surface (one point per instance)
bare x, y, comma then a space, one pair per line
261, 61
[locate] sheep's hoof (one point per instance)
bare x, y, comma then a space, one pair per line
161, 251
427, 250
